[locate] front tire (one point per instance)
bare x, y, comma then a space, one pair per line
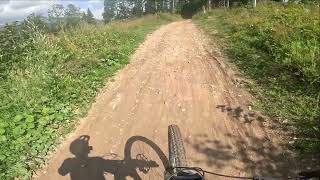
177, 154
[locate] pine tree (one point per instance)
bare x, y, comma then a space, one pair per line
89, 17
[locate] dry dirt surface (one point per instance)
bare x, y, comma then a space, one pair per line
173, 78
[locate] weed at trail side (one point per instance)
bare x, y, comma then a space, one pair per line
277, 47
53, 81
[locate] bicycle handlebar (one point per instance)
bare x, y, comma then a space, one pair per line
302, 175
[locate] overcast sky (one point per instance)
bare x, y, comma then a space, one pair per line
15, 10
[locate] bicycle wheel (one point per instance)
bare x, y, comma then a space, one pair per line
146, 157
177, 154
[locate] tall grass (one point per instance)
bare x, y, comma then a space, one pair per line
50, 80
278, 47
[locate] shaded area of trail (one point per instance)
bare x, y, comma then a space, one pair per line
173, 79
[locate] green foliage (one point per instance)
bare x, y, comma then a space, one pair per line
37, 23
192, 7
51, 80
169, 17
278, 47
109, 10
15, 41
60, 18
72, 16
125, 9
55, 16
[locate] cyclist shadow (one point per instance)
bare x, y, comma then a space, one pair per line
83, 167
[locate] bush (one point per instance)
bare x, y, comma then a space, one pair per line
51, 80
277, 46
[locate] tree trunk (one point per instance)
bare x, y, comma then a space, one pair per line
254, 3
209, 5
173, 4
204, 9
155, 6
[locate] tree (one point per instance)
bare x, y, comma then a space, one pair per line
164, 5
89, 17
109, 10
72, 16
56, 11
150, 6
56, 15
137, 9
173, 5
123, 9
180, 4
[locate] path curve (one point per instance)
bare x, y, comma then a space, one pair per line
172, 79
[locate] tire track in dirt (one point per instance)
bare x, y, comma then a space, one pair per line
172, 79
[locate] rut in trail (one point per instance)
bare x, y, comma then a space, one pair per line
172, 79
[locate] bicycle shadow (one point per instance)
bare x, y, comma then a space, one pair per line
84, 167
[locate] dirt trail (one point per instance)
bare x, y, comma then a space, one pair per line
172, 79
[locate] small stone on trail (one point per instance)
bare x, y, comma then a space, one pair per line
250, 108
183, 109
291, 142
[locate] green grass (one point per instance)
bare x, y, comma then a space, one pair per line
48, 81
277, 47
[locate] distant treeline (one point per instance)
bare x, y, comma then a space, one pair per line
58, 17
123, 9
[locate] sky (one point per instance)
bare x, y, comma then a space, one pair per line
16, 10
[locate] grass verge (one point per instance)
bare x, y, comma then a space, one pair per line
278, 47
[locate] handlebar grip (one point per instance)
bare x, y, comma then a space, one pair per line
310, 174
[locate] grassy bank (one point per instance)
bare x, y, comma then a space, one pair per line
49, 80
277, 47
